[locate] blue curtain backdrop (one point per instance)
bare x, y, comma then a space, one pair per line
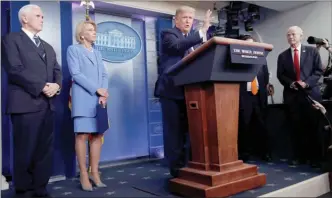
14, 25
155, 116
127, 107
6, 128
65, 141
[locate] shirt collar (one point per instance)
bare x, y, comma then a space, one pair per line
30, 34
298, 48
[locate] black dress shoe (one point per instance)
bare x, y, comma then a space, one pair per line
314, 165
174, 172
293, 162
22, 194
41, 193
244, 157
267, 158
46, 195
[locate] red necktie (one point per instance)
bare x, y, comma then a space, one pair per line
297, 64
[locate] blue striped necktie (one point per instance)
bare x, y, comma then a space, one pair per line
37, 40
40, 47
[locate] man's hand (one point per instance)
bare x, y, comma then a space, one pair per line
270, 89
293, 86
303, 84
326, 44
102, 101
319, 106
207, 21
51, 89
102, 92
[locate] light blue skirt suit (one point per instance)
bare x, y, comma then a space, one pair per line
89, 74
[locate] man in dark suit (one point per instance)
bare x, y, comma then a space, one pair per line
34, 79
253, 133
301, 64
175, 44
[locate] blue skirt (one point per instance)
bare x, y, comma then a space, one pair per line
85, 125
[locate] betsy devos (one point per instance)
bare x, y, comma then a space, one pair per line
89, 89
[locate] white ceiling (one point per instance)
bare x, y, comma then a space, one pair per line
281, 5
205, 5
273, 5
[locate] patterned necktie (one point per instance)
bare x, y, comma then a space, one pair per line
254, 87
297, 64
37, 40
39, 46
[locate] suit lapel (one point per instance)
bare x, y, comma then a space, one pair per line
48, 57
303, 57
31, 44
179, 33
290, 60
86, 54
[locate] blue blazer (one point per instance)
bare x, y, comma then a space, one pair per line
88, 75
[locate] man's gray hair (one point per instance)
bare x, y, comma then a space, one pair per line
184, 9
25, 10
296, 29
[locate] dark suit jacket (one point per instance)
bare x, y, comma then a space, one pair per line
28, 73
173, 46
245, 97
311, 71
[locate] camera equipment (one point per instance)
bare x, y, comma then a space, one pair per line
315, 40
326, 85
232, 16
218, 31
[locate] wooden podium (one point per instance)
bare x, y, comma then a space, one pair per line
211, 83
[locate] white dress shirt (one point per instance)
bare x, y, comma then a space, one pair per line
249, 85
30, 35
201, 35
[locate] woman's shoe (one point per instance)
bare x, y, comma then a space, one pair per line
86, 187
97, 184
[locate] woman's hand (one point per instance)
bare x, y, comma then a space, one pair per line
102, 101
102, 92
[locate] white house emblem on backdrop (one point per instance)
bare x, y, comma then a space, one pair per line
117, 42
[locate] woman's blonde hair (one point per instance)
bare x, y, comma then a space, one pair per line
80, 28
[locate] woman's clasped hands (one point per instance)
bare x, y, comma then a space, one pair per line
103, 95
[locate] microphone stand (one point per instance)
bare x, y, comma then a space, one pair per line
323, 111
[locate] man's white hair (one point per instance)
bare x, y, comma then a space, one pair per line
26, 10
297, 29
